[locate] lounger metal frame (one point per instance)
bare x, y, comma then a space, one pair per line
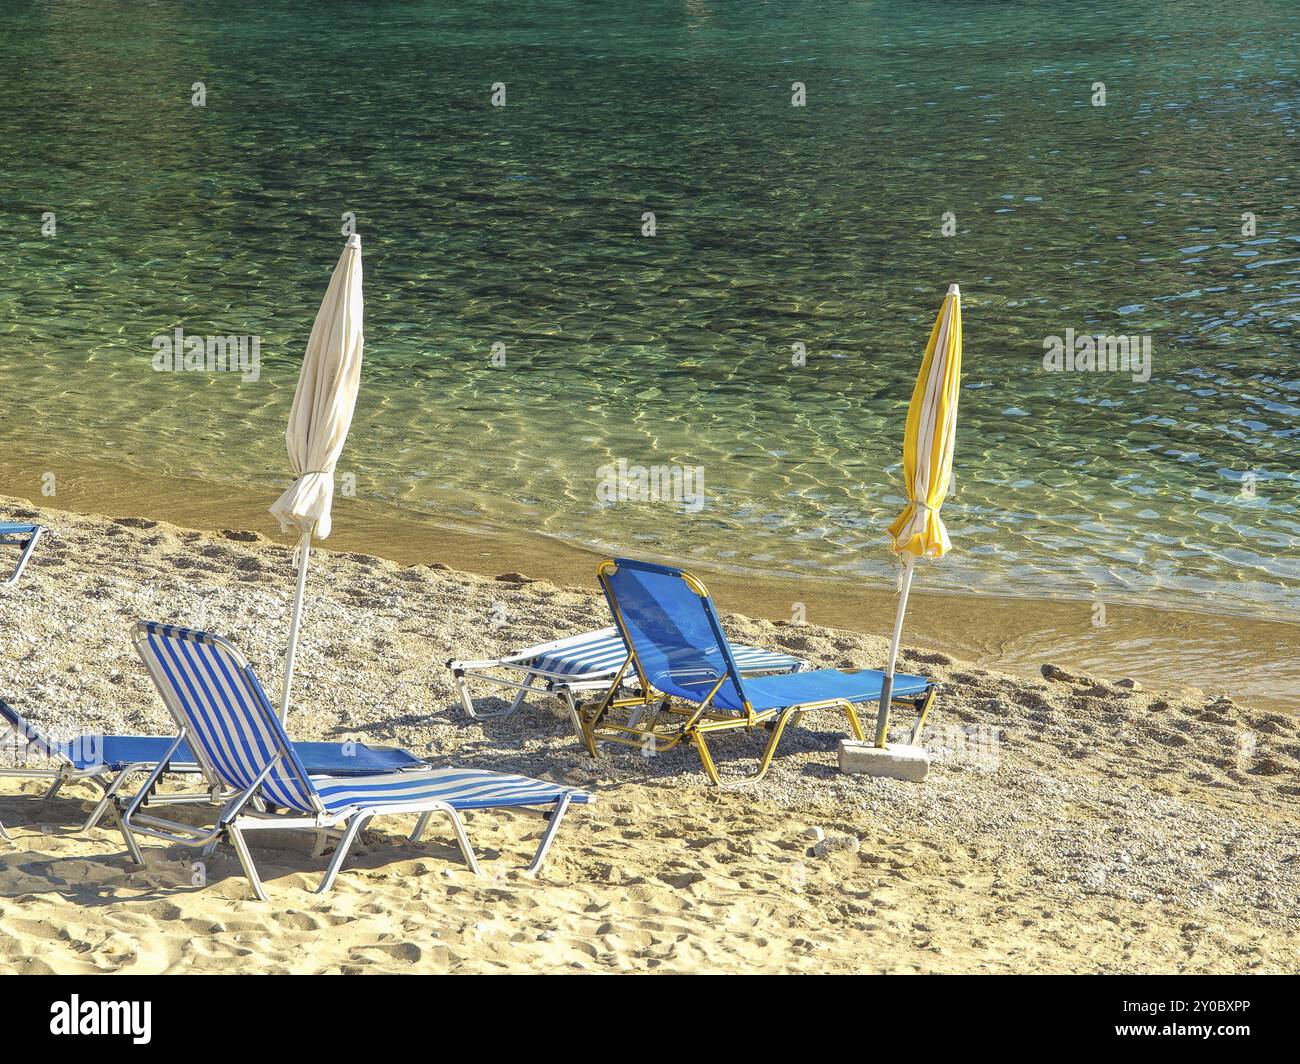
17, 733
10, 536
568, 687
565, 686
651, 709
243, 810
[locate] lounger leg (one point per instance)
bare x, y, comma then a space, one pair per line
588, 733
4, 834
341, 851
123, 816
520, 695
557, 814
770, 752
109, 800
27, 549
466, 702
572, 706
854, 722
638, 717
101, 807
589, 724
930, 696
115, 813
588, 730
54, 788
142, 795
710, 769
246, 861
323, 838
462, 839
764, 763
208, 850
132, 847
420, 825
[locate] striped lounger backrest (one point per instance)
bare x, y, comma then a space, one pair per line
229, 722
598, 652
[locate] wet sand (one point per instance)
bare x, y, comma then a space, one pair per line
1256, 659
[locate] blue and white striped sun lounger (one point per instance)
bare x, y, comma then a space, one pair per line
580, 664
254, 770
108, 760
23, 537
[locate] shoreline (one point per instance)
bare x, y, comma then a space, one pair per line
1253, 659
1067, 823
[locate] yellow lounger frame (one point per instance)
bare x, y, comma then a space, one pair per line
656, 724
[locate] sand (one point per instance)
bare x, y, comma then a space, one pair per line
1069, 823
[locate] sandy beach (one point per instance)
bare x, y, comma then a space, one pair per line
1069, 823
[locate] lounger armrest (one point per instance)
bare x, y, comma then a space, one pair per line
456, 665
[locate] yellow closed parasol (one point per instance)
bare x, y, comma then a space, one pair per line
918, 532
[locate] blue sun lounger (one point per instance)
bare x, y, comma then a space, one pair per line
679, 652
579, 665
107, 760
23, 537
259, 781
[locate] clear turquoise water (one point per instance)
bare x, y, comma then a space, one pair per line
776, 225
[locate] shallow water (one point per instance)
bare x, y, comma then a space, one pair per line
776, 226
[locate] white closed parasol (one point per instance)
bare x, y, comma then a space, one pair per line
319, 423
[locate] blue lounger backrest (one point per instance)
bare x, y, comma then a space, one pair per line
229, 722
670, 622
31, 735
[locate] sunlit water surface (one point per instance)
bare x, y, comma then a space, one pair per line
776, 226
